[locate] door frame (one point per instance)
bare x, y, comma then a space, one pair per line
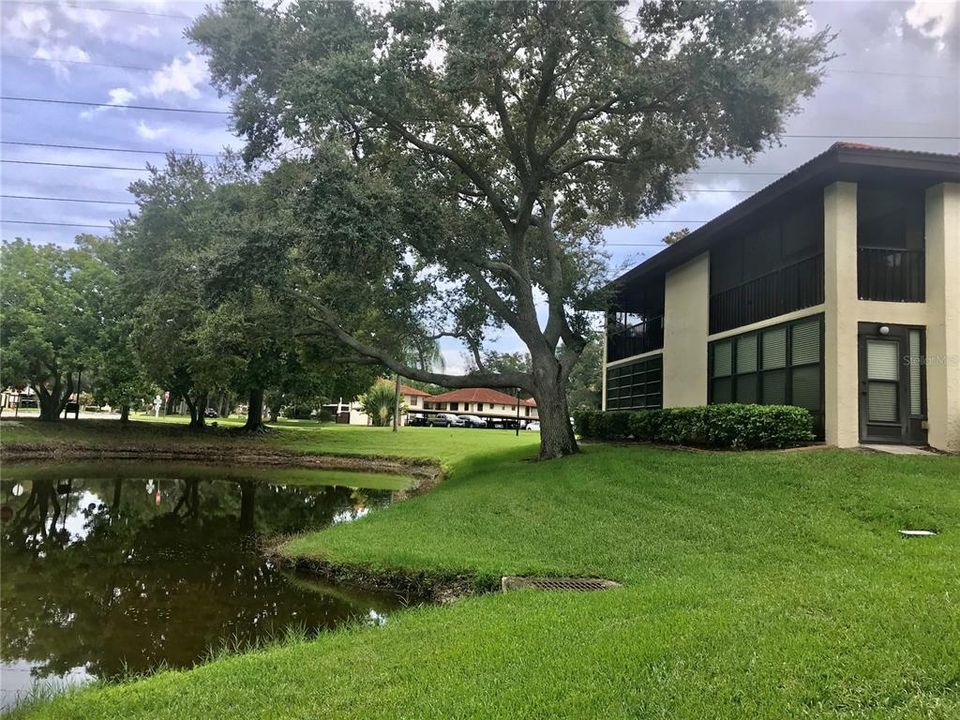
912, 428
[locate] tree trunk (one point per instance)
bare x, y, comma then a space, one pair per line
255, 411
53, 401
556, 432
125, 413
49, 406
198, 420
171, 401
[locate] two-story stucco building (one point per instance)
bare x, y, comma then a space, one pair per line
836, 288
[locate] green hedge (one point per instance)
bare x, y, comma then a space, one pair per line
717, 426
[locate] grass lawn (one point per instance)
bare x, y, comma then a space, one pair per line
444, 444
757, 585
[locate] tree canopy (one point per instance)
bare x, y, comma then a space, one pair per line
479, 149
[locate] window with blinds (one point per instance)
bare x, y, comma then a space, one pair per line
780, 365
636, 385
916, 390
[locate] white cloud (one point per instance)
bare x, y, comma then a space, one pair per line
59, 55
28, 23
933, 19
150, 133
121, 96
95, 21
117, 96
180, 76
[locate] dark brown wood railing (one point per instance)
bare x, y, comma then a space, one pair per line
635, 339
790, 288
890, 275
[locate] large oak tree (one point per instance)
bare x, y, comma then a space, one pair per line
521, 129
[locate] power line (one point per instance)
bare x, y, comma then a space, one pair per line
70, 200
226, 112
104, 9
58, 224
76, 165
99, 148
82, 62
156, 108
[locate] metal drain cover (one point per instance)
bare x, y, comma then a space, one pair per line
514, 582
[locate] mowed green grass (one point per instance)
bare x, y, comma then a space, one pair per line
757, 585
445, 445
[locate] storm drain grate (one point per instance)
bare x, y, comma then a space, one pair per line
512, 582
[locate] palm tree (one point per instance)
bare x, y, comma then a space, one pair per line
424, 354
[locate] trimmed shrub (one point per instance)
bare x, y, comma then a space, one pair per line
613, 425
718, 426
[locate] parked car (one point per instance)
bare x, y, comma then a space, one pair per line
535, 426
415, 420
211, 413
470, 421
442, 420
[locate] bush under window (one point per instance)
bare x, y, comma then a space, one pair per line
727, 425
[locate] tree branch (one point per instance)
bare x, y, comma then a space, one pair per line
496, 202
495, 380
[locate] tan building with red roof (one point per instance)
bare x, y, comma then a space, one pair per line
482, 402
351, 412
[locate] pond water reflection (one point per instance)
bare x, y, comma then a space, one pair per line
123, 568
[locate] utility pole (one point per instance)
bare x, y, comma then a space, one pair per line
76, 415
518, 413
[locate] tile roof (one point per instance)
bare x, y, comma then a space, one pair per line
412, 391
483, 395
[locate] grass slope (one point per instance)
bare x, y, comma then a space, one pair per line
757, 586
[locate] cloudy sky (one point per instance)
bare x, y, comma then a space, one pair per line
896, 83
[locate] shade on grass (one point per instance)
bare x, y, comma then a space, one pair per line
757, 586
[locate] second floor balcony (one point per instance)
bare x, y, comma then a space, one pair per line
890, 274
629, 335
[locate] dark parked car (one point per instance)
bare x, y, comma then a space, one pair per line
417, 421
211, 413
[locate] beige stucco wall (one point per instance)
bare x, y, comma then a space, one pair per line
841, 380
685, 328
940, 315
943, 326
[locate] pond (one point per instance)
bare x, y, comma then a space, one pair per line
117, 568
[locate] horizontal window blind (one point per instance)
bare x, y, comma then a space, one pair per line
805, 343
882, 360
774, 348
915, 368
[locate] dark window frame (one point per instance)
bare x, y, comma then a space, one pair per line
645, 374
788, 368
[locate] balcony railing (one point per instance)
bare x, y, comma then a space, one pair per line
790, 288
635, 339
890, 275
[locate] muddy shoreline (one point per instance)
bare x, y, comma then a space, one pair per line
427, 473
